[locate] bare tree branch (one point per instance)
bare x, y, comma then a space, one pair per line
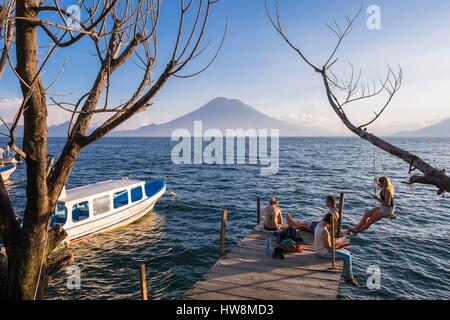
9, 226
120, 32
354, 91
276, 22
6, 33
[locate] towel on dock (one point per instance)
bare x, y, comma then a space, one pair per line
260, 228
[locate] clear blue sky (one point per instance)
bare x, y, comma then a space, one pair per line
257, 67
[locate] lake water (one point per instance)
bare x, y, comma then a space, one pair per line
179, 240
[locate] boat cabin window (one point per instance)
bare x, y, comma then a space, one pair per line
120, 199
60, 215
150, 188
136, 194
101, 205
80, 211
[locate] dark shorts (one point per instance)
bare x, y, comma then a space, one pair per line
271, 229
313, 226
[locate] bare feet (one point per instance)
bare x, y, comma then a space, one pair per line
289, 220
353, 231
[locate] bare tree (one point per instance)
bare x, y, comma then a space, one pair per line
342, 93
120, 32
6, 33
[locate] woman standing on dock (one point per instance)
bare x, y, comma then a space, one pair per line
323, 248
385, 210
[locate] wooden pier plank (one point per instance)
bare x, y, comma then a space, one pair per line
247, 273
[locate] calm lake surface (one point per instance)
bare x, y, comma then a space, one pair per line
179, 240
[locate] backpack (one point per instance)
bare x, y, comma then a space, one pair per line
290, 233
289, 246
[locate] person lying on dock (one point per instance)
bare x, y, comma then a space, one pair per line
384, 210
330, 203
323, 248
273, 219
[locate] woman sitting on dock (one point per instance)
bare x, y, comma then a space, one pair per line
330, 203
273, 219
323, 248
385, 210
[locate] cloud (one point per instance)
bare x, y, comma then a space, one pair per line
307, 119
9, 107
139, 120
313, 114
10, 102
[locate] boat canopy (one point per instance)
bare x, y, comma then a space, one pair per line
95, 189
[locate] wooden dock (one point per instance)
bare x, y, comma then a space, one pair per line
246, 273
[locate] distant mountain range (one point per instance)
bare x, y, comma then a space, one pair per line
59, 130
441, 130
222, 114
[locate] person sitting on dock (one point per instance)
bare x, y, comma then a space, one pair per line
273, 218
330, 203
384, 210
323, 248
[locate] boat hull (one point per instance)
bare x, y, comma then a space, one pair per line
7, 173
114, 221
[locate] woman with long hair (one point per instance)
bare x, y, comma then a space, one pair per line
384, 210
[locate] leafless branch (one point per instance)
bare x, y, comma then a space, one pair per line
354, 91
6, 33
276, 22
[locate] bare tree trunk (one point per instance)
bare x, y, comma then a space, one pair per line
9, 231
30, 248
29, 260
8, 26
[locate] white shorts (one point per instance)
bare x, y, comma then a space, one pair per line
387, 211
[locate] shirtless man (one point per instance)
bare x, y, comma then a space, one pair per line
272, 216
330, 202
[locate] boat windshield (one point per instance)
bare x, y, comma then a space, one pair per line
153, 187
60, 215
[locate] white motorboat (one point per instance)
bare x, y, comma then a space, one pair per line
7, 171
96, 208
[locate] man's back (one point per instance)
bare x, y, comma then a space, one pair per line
271, 217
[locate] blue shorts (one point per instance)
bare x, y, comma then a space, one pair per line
313, 226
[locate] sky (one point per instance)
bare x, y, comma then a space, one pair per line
257, 67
